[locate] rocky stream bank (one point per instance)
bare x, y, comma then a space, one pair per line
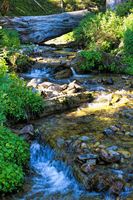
87, 120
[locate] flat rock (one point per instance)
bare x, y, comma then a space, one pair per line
84, 157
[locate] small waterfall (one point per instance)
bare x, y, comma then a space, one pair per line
37, 73
75, 75
53, 180
51, 177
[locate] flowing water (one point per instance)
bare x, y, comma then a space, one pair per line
51, 179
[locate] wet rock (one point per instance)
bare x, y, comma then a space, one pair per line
101, 146
106, 182
28, 132
108, 81
110, 156
55, 87
125, 77
33, 83
112, 148
131, 134
115, 166
85, 157
66, 73
92, 161
128, 113
46, 84
117, 187
84, 138
83, 146
125, 154
88, 167
28, 129
65, 102
108, 132
73, 87
60, 142
114, 128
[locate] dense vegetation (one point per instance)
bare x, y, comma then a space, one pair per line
14, 155
41, 7
107, 39
17, 102
107, 43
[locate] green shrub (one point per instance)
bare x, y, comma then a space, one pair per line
19, 62
11, 176
13, 148
128, 64
91, 59
71, 5
9, 38
128, 35
18, 101
124, 8
101, 31
14, 155
111, 35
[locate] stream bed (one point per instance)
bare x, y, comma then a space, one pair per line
87, 152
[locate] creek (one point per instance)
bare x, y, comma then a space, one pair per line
55, 172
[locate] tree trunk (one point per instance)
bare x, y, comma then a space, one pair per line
111, 4
37, 29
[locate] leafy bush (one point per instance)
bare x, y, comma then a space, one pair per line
128, 64
14, 154
90, 59
11, 176
13, 148
101, 31
111, 35
18, 101
128, 35
124, 8
19, 62
9, 38
80, 4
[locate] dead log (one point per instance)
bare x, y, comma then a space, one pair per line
37, 29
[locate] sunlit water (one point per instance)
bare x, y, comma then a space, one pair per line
47, 74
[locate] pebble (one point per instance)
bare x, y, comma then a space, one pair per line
129, 134
87, 156
84, 138
87, 168
112, 148
60, 142
108, 132
114, 128
83, 145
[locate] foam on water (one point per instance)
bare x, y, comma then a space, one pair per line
53, 180
36, 73
75, 75
51, 176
